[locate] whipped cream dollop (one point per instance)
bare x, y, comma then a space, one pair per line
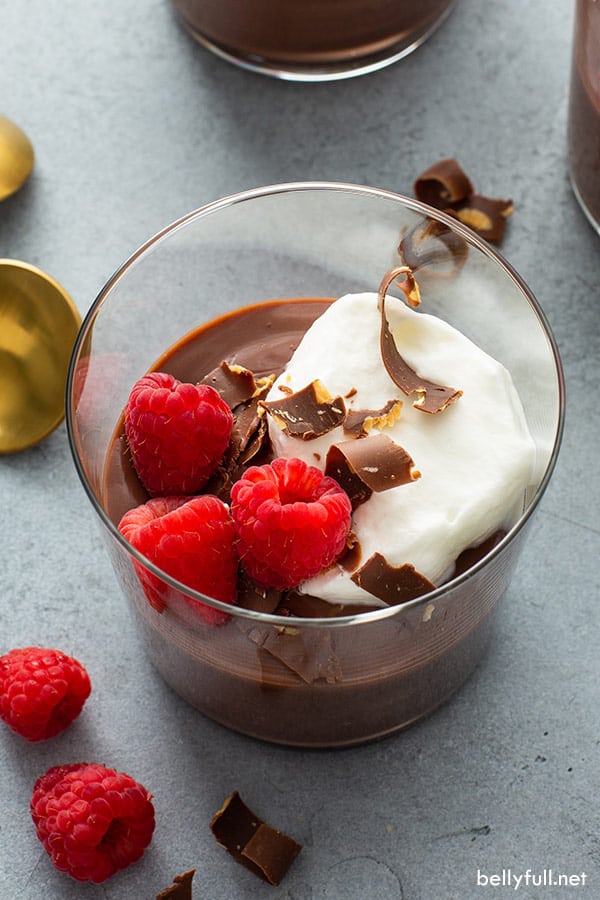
475, 458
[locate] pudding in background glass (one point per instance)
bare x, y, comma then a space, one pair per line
312, 39
584, 110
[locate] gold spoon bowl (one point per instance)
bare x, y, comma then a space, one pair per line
38, 326
16, 157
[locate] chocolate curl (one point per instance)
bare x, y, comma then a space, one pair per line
308, 413
433, 398
434, 248
373, 463
443, 184
394, 585
359, 422
446, 187
252, 843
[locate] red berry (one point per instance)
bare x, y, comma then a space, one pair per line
177, 433
91, 820
41, 691
291, 521
191, 539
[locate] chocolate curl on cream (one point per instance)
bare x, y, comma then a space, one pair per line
252, 843
446, 187
359, 422
393, 585
433, 398
308, 413
370, 464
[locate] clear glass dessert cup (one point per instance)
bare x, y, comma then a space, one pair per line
312, 682
312, 40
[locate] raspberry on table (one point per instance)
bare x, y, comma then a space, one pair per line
91, 820
177, 433
41, 691
291, 521
193, 540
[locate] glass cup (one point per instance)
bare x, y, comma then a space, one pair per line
584, 110
313, 682
312, 40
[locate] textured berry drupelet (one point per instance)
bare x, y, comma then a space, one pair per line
291, 521
91, 820
41, 691
191, 539
177, 433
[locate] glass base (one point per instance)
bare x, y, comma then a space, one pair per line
588, 213
336, 70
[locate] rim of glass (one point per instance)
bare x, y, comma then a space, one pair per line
416, 206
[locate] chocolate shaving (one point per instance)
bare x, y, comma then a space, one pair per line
485, 215
433, 248
263, 850
308, 654
309, 607
442, 184
373, 463
446, 187
359, 422
308, 413
433, 398
394, 585
235, 384
181, 889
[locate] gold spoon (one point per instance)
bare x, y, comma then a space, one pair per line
38, 326
16, 158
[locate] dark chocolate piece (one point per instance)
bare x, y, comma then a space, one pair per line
235, 384
392, 584
358, 422
263, 850
250, 595
308, 413
181, 889
446, 187
373, 463
485, 215
442, 184
433, 398
307, 653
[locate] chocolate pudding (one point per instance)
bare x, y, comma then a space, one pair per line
311, 33
584, 109
307, 684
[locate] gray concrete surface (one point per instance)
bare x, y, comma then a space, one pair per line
134, 125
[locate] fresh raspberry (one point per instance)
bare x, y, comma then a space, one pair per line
41, 691
291, 521
177, 433
193, 540
91, 820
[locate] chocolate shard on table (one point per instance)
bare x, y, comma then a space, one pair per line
181, 889
485, 215
442, 184
262, 849
433, 398
369, 464
446, 187
392, 584
307, 413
